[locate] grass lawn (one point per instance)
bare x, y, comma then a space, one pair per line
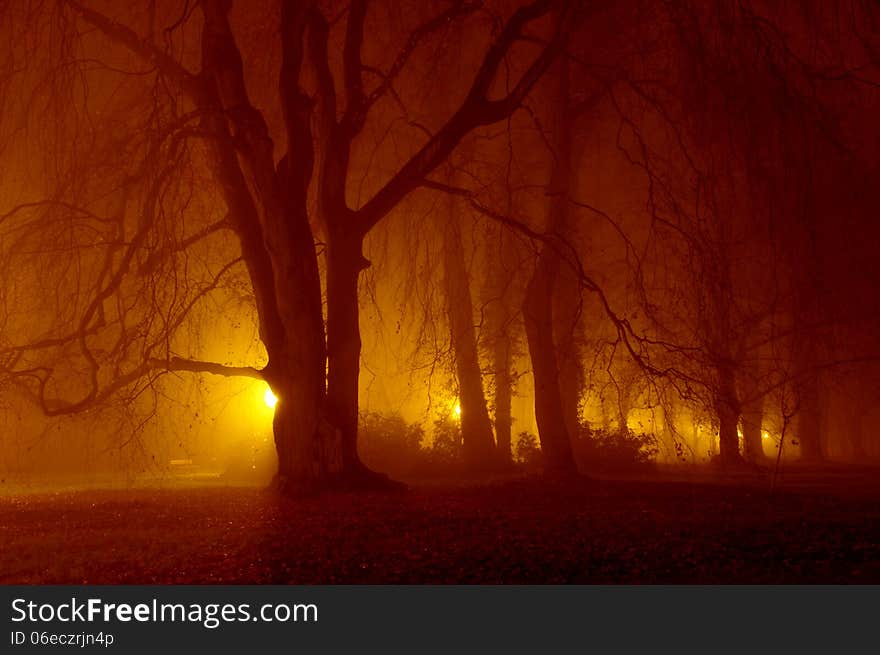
520, 531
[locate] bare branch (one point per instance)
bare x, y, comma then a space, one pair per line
476, 110
142, 47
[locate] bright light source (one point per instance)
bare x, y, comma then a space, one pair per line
270, 398
457, 409
765, 434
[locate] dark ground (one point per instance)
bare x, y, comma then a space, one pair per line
591, 531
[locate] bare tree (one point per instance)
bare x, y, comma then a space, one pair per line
476, 430
538, 303
268, 199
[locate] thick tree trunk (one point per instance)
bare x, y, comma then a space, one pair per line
606, 417
309, 450
752, 417
345, 261
476, 429
280, 258
268, 211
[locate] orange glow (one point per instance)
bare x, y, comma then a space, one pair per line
270, 398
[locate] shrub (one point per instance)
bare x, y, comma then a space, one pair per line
389, 444
614, 449
447, 447
527, 451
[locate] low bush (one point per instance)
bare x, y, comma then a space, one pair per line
618, 450
387, 443
527, 451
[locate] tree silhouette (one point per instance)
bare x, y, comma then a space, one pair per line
273, 204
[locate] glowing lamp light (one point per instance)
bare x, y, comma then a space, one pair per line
270, 398
457, 410
765, 434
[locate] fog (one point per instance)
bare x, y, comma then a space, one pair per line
331, 245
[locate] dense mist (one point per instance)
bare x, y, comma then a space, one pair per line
343, 244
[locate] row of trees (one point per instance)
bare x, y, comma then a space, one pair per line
182, 165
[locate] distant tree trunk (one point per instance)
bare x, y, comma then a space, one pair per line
727, 410
695, 438
668, 433
624, 402
728, 439
476, 428
809, 426
499, 323
538, 315
622, 412
856, 435
540, 326
567, 323
606, 417
752, 417
856, 402
809, 313
503, 397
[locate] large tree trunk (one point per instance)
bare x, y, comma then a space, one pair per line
476, 429
345, 261
344, 264
309, 449
268, 211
